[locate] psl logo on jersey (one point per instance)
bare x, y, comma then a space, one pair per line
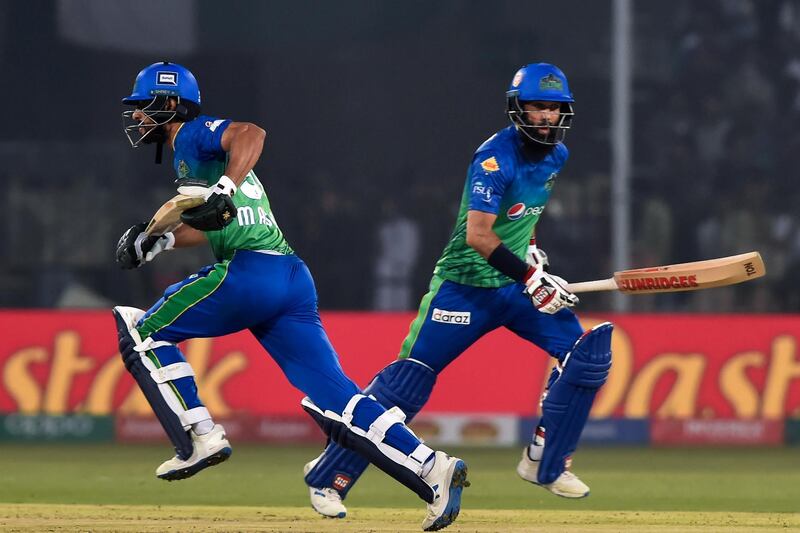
486, 192
460, 318
490, 165
167, 78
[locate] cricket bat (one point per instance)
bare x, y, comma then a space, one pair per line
681, 277
168, 216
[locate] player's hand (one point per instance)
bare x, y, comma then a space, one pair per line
217, 212
136, 248
536, 256
548, 293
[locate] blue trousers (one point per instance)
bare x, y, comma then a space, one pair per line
450, 319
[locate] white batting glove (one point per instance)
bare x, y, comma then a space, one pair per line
536, 256
165, 242
548, 293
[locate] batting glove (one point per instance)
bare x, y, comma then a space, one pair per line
536, 256
548, 293
136, 248
217, 212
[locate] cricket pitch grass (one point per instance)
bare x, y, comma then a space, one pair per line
113, 488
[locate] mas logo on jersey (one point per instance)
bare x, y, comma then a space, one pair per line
551, 83
517, 211
167, 78
490, 165
460, 318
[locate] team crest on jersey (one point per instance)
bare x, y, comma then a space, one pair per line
551, 83
548, 185
183, 169
490, 165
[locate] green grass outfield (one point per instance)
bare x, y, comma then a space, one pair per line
113, 488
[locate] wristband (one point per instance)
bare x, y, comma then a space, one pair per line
509, 264
224, 185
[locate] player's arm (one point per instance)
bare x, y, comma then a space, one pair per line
547, 293
244, 142
480, 235
187, 236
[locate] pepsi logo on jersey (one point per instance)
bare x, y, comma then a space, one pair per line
519, 210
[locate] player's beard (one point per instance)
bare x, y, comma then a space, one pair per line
158, 134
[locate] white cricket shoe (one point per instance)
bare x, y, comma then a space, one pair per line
326, 501
209, 449
567, 485
447, 478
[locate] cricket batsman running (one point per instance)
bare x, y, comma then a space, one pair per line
491, 274
257, 283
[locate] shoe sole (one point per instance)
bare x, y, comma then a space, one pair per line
457, 484
340, 515
521, 471
183, 473
559, 494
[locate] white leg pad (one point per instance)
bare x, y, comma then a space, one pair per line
193, 416
168, 393
377, 432
172, 372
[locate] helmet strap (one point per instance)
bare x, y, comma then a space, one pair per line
159, 151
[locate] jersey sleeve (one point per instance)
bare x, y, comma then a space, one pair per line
489, 177
208, 138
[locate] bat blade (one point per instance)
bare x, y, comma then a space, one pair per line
168, 216
692, 276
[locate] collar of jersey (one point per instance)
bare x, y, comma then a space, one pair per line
176, 135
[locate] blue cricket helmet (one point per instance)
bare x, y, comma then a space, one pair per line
164, 79
154, 87
540, 82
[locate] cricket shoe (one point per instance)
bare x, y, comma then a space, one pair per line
209, 449
447, 478
567, 485
326, 501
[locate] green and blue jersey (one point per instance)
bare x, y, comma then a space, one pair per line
503, 179
199, 157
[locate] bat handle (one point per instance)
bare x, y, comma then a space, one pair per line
593, 286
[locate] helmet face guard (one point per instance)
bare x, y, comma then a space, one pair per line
540, 82
519, 117
154, 87
150, 127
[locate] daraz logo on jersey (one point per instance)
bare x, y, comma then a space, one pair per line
517, 211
